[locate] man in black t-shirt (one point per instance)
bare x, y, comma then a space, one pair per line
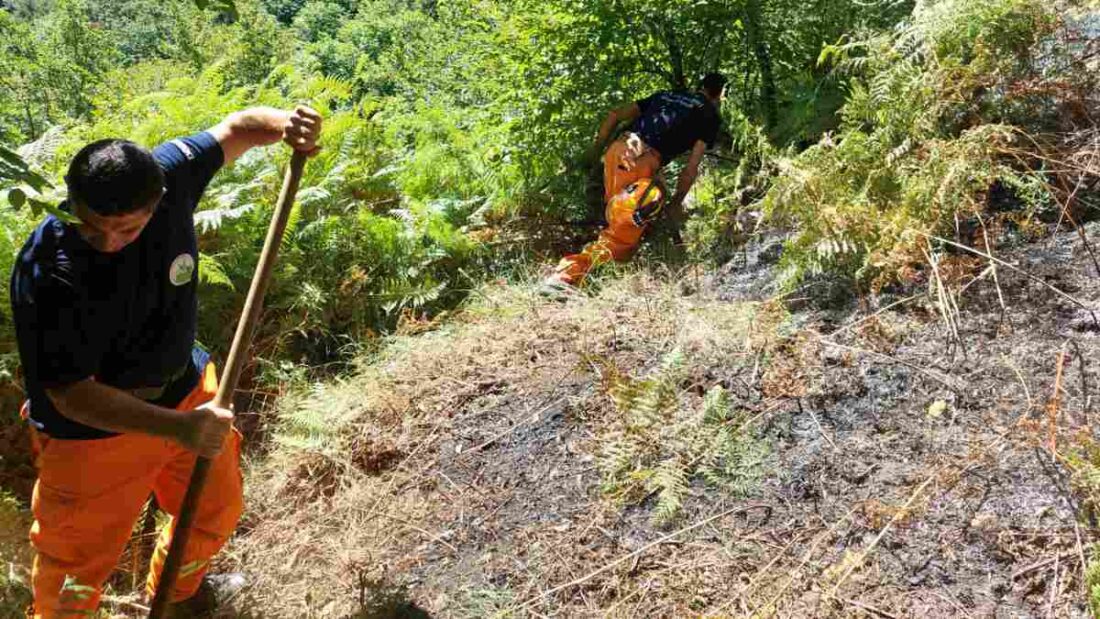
118, 396
661, 127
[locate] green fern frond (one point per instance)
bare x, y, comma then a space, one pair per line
737, 460
717, 407
617, 456
657, 445
670, 482
625, 392
211, 272
398, 294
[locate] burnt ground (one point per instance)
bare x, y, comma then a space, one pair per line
910, 470
910, 475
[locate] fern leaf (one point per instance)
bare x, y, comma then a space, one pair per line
212, 272
670, 482
717, 408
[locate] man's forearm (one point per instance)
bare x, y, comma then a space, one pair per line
106, 408
615, 117
690, 172
606, 129
684, 183
259, 122
247, 129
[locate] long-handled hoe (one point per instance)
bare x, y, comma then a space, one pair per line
238, 354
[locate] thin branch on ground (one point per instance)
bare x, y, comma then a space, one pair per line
855, 324
637, 552
945, 380
1038, 565
1081, 556
882, 533
1054, 406
794, 574
945, 301
1023, 383
993, 265
818, 424
869, 608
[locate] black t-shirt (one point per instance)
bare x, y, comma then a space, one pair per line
128, 319
672, 122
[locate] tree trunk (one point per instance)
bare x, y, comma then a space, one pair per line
758, 42
32, 129
675, 57
665, 33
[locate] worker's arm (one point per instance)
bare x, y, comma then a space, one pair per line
688, 175
106, 408
626, 113
683, 186
260, 126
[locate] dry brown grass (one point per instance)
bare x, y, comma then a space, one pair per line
458, 466
461, 464
357, 485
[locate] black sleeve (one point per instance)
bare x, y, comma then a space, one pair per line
61, 340
189, 163
644, 104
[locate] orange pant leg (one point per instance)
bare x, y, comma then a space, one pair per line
90, 493
219, 507
617, 241
86, 499
621, 237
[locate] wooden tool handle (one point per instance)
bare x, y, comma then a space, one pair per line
238, 356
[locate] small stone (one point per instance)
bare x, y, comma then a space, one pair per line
983, 521
936, 409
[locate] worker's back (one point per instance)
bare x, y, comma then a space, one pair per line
671, 122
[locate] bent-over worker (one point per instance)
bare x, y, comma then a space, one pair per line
662, 127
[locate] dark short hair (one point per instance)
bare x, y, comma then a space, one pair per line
714, 83
114, 177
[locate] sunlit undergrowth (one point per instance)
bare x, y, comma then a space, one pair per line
359, 253
15, 591
943, 113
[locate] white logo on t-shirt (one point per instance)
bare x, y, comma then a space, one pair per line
180, 144
183, 267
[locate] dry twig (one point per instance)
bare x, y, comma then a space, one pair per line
1054, 405
945, 380
869, 608
628, 557
882, 533
1026, 274
1038, 565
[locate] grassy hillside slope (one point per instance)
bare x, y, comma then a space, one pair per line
681, 443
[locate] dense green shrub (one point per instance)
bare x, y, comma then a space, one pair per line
14, 228
359, 252
923, 137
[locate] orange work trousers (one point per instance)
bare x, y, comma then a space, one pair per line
627, 176
89, 494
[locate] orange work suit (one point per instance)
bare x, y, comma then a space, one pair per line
89, 493
629, 171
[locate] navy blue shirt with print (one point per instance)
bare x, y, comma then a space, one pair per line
672, 122
126, 319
